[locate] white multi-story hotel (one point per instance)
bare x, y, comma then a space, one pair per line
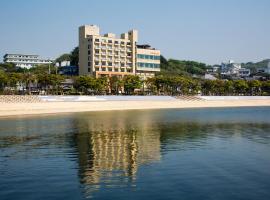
108, 55
25, 61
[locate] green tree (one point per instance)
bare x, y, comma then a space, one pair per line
64, 57
266, 87
3, 80
115, 84
241, 87
254, 87
74, 58
228, 88
131, 83
86, 84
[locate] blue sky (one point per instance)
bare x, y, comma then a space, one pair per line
209, 31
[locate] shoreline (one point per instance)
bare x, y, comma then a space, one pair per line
23, 109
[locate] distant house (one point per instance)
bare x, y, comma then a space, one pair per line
243, 72
230, 68
213, 69
64, 68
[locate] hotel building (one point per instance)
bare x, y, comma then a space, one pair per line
25, 61
107, 55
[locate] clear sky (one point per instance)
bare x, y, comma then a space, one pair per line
209, 31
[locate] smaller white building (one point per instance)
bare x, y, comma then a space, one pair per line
243, 72
25, 61
230, 68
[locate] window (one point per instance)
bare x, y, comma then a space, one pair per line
110, 41
89, 52
89, 64
110, 69
110, 64
89, 70
96, 40
96, 63
103, 63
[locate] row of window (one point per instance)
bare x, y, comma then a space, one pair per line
148, 57
29, 61
110, 70
148, 65
17, 56
111, 64
111, 42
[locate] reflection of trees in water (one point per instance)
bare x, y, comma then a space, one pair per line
182, 135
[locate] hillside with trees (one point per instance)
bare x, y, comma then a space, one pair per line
73, 57
182, 67
254, 66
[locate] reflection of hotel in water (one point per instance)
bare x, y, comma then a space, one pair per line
115, 148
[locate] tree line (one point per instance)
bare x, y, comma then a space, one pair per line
38, 79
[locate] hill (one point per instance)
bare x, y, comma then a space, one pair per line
253, 66
182, 67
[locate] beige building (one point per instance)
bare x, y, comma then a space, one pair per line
108, 55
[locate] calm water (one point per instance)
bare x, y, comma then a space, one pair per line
160, 154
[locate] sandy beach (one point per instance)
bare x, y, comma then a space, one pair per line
18, 109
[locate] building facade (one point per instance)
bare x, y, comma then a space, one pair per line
108, 55
148, 61
25, 61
